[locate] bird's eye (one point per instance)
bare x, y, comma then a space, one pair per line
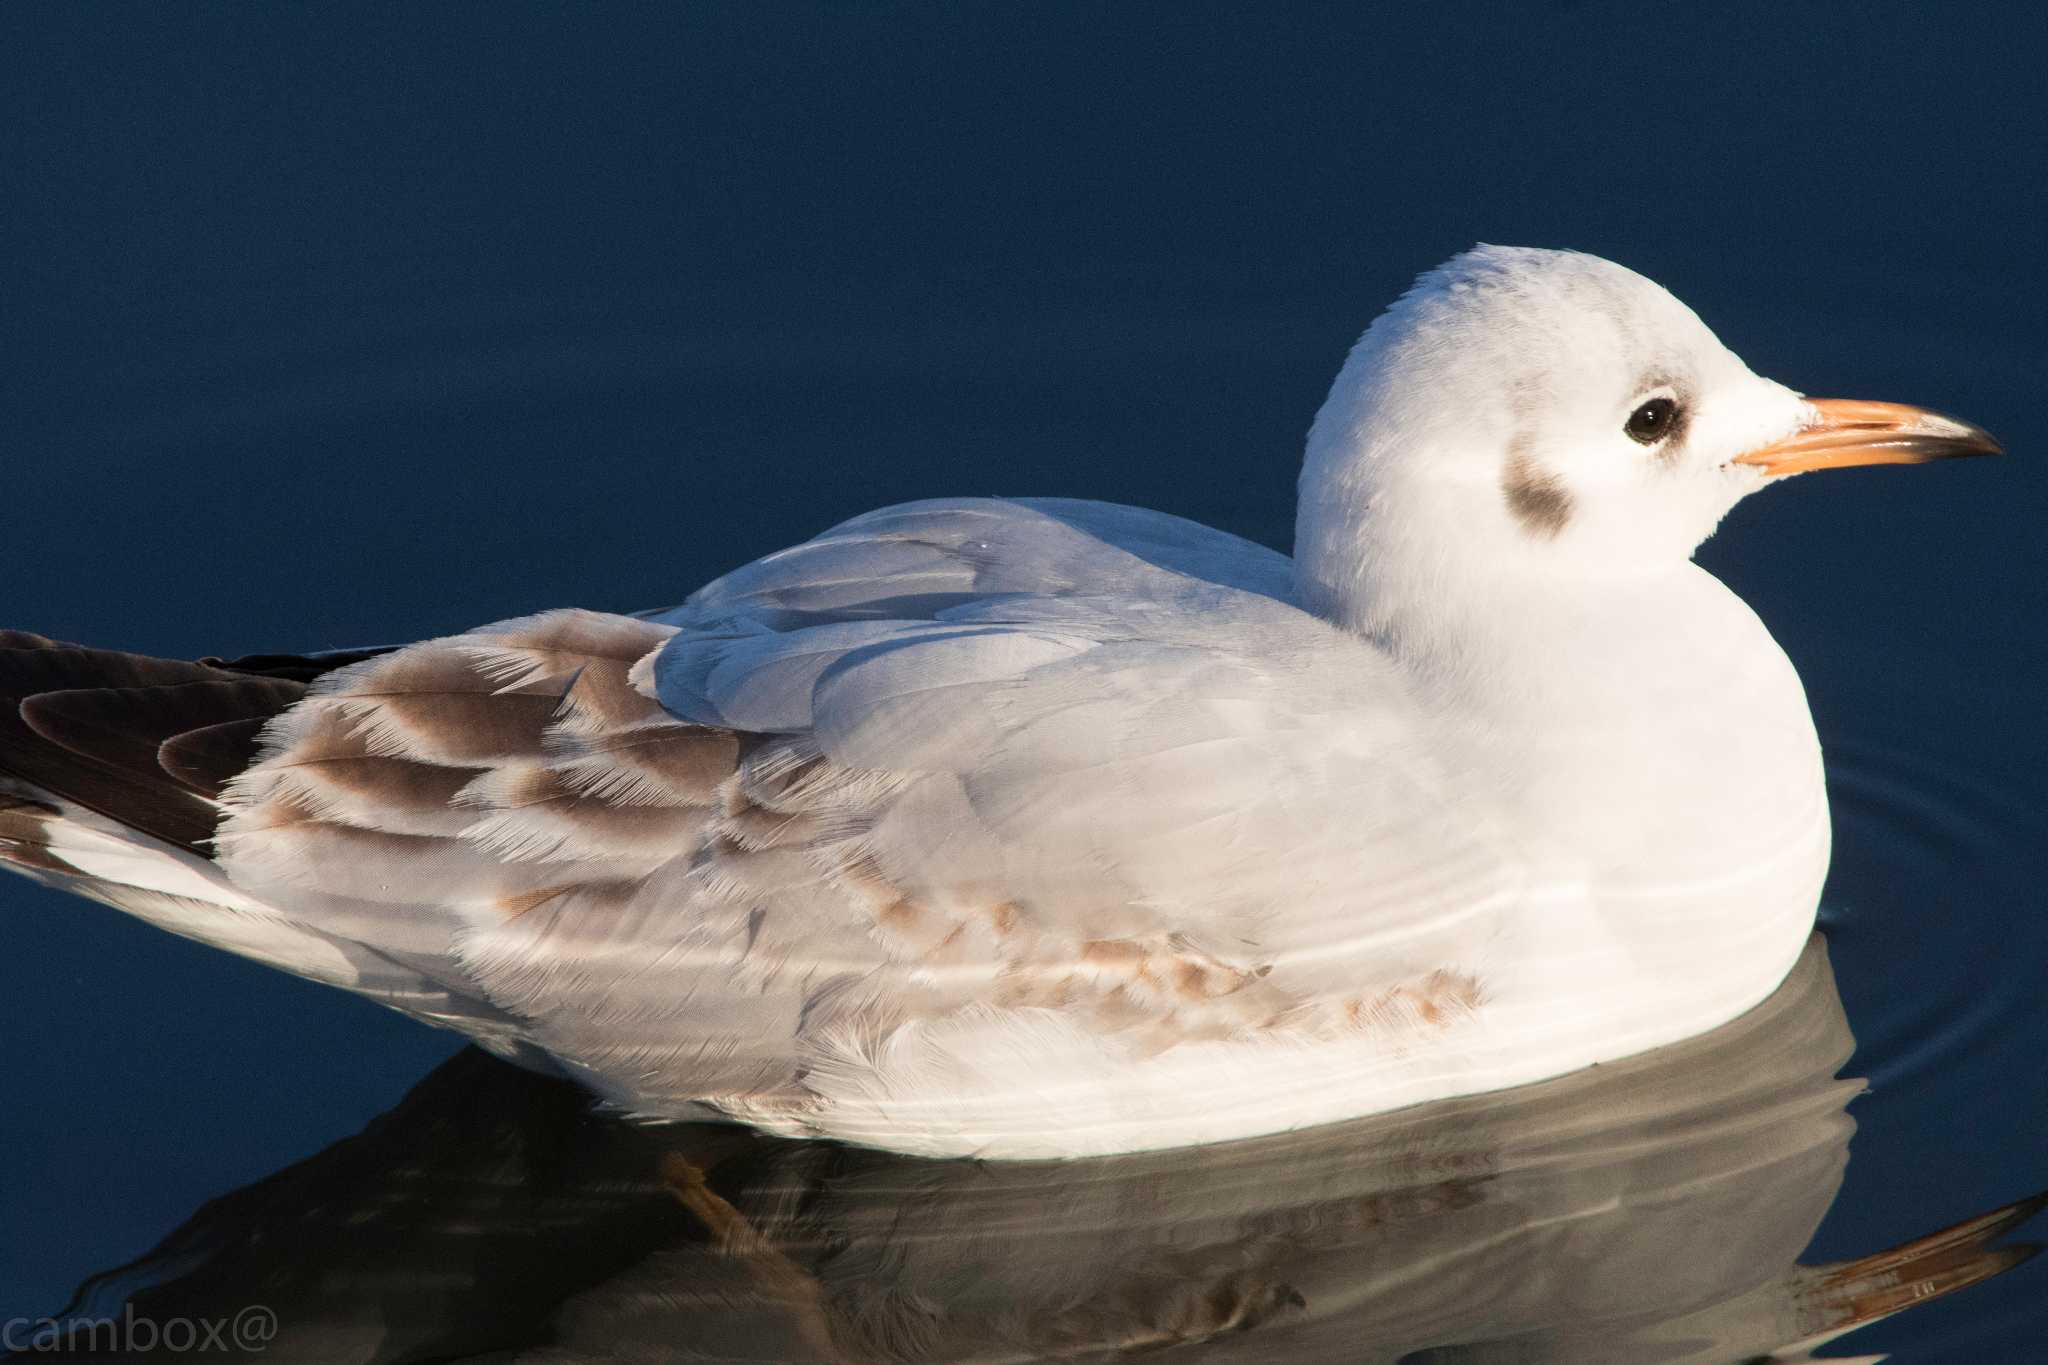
1652, 422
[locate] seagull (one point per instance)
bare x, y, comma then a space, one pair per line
1043, 828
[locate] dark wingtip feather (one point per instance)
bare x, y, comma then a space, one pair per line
295, 667
127, 727
208, 758
144, 741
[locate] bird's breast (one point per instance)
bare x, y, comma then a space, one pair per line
1661, 780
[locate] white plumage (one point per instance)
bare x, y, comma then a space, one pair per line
1049, 828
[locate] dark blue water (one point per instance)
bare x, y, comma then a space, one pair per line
323, 327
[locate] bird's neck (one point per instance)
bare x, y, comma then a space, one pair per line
1441, 604
1514, 643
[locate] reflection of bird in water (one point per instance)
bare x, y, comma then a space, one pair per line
1045, 828
1648, 1211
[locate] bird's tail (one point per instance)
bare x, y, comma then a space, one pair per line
131, 749
111, 766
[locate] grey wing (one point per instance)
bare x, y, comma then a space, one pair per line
915, 560
910, 778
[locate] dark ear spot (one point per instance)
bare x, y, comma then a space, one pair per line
1536, 496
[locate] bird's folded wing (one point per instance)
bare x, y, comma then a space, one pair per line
699, 859
916, 559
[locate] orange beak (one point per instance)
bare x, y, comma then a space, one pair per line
1851, 431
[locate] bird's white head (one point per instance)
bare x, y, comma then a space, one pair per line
1528, 421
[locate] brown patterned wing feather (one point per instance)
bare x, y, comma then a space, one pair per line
24, 836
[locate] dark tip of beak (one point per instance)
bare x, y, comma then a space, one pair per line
1965, 441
